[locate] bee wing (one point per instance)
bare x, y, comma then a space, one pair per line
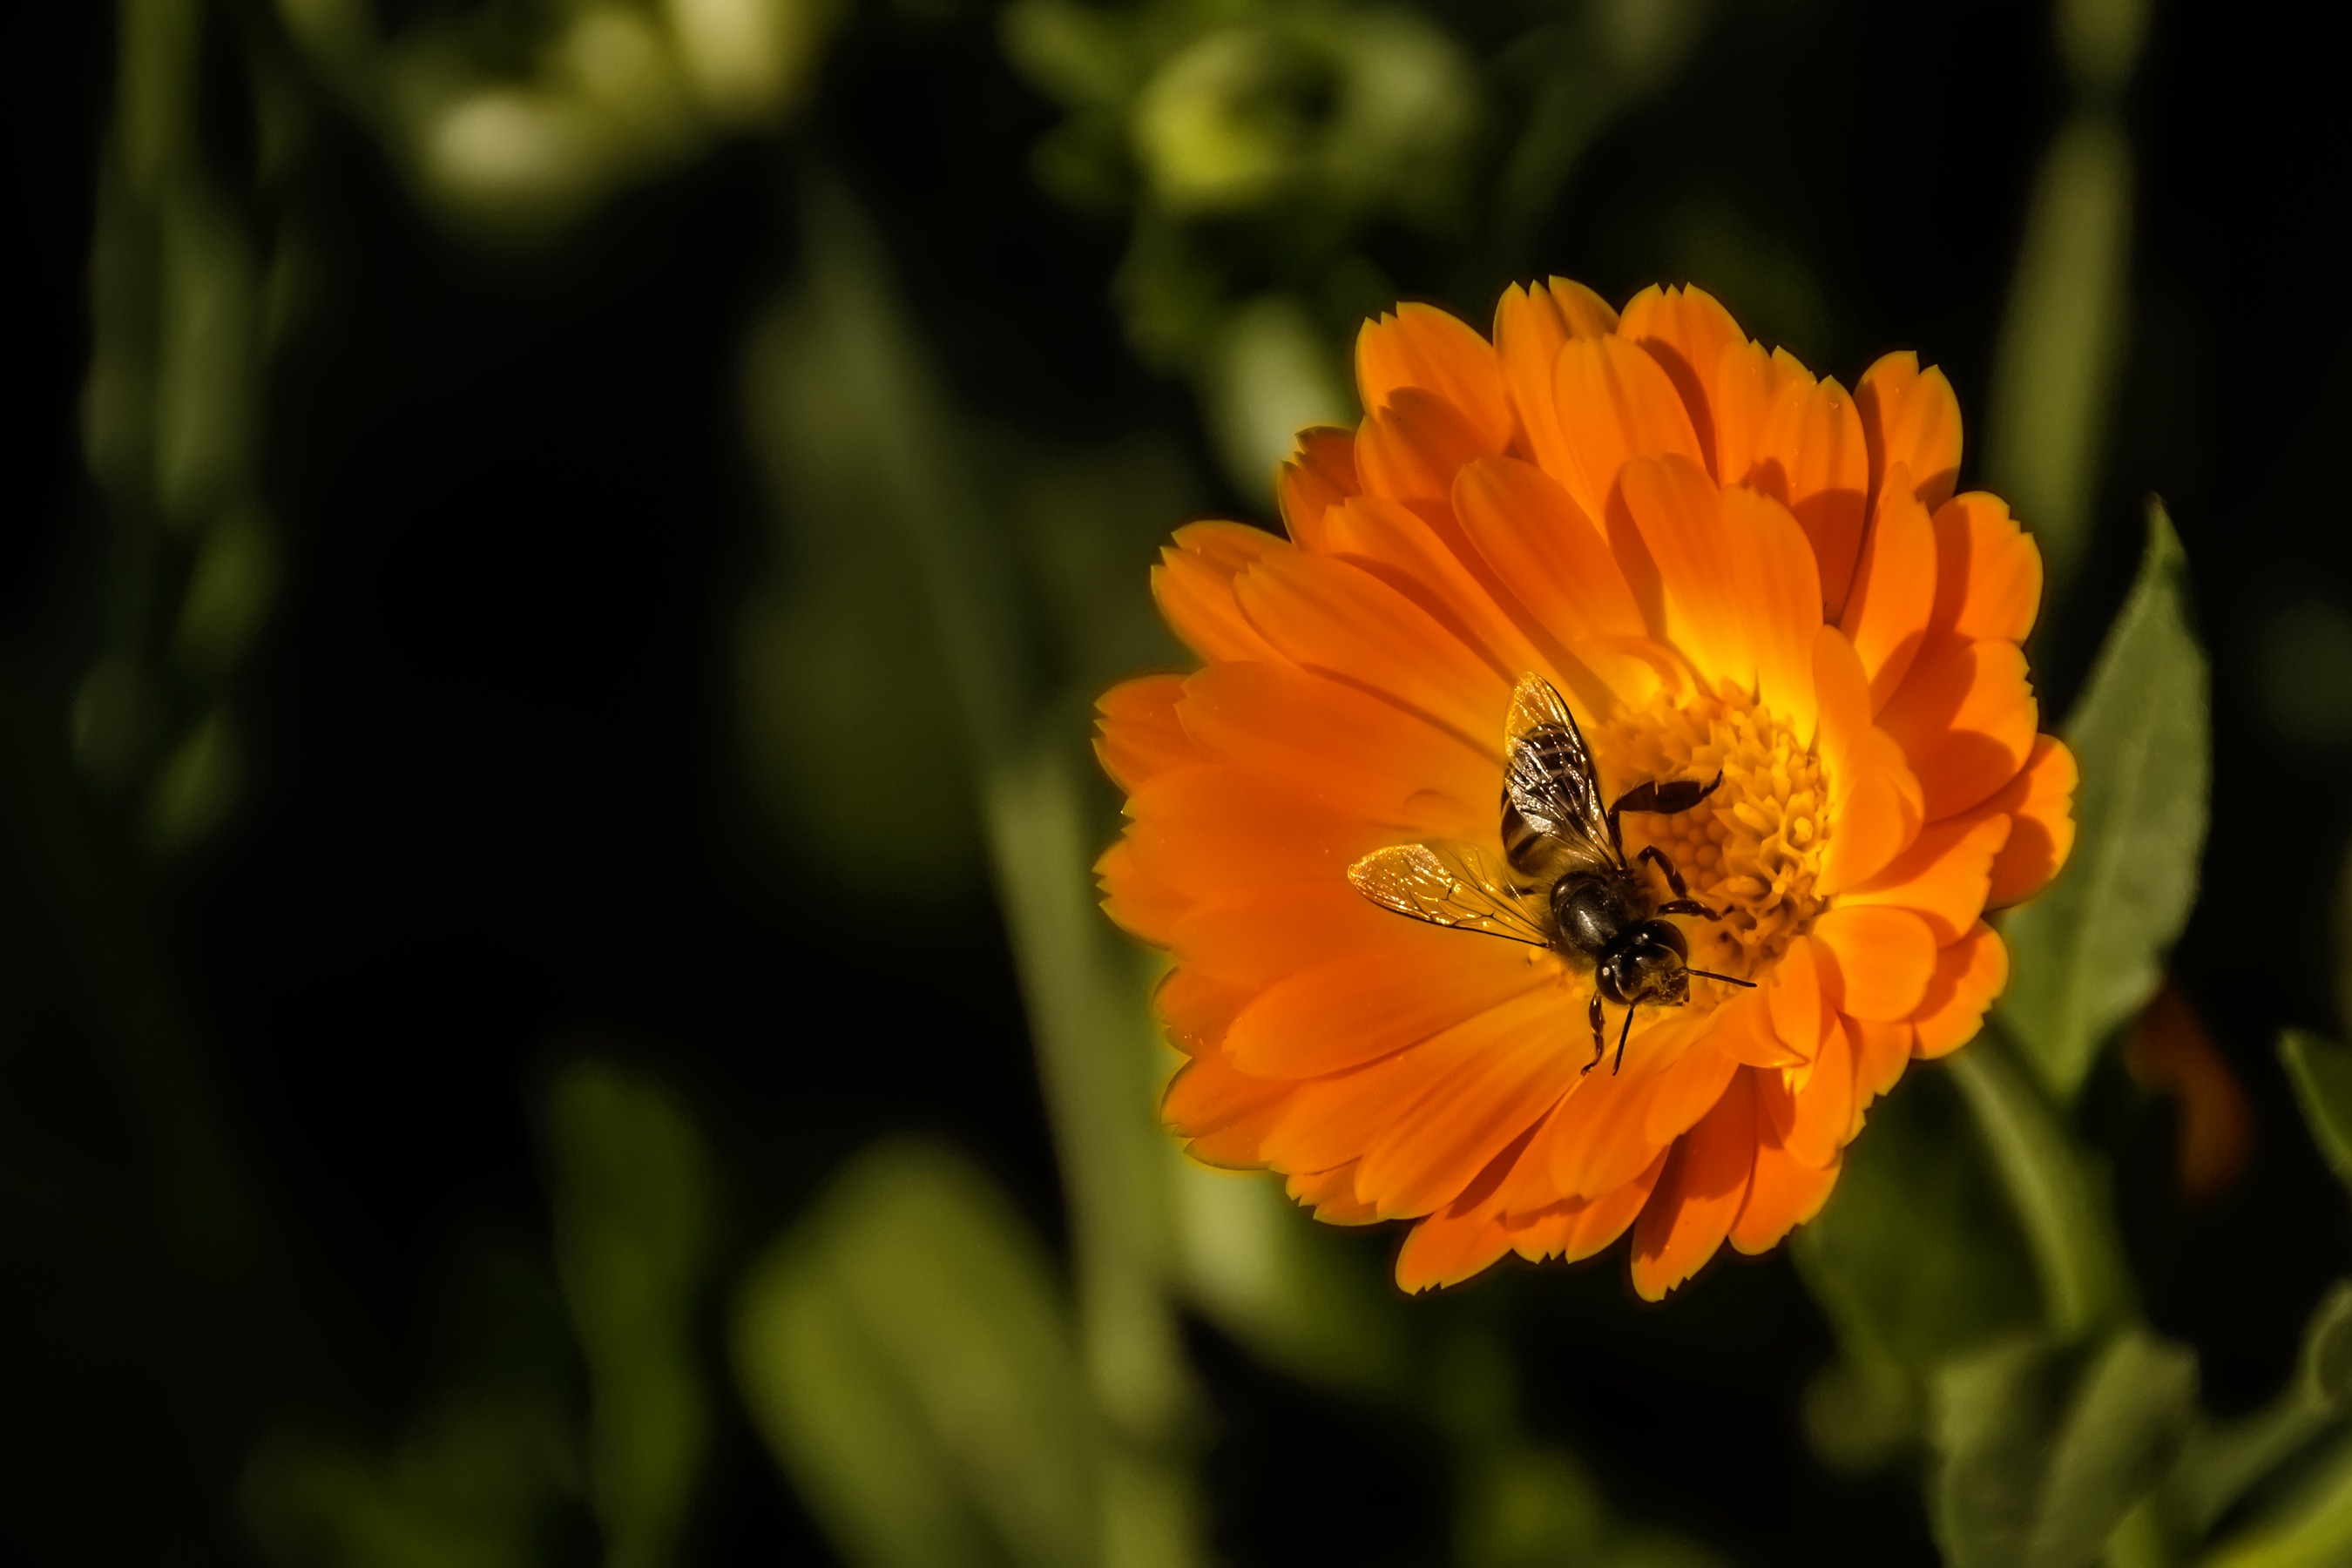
1451, 885
1549, 776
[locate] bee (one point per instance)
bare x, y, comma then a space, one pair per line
1566, 884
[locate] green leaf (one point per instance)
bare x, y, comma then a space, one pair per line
2043, 1448
2054, 364
906, 1354
2088, 953
2224, 1460
1917, 1258
2310, 1527
2321, 1072
632, 1198
2056, 1189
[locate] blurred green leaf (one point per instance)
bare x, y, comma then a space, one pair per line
480, 1481
2321, 1072
1526, 1507
2043, 1448
2223, 1461
474, 1486
1269, 377
2060, 339
2309, 1527
2055, 1187
1915, 1259
229, 592
843, 691
2089, 953
633, 1196
207, 354
198, 784
1286, 1287
909, 1357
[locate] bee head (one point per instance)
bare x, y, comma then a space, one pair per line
1649, 968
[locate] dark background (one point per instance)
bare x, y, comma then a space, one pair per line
262, 1108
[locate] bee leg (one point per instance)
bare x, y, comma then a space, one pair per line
1657, 856
1689, 907
1664, 799
1599, 1040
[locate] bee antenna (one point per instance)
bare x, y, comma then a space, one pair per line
1622, 1036
1726, 979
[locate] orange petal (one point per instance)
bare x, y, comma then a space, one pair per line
1667, 532
1423, 346
1578, 1228
1195, 1011
1825, 1102
1136, 730
1816, 440
1194, 585
1513, 1068
1429, 1116
1944, 876
1537, 540
1320, 472
1615, 402
1988, 572
1689, 1087
1330, 615
1363, 1006
1877, 821
1597, 1140
1687, 330
1214, 831
1396, 545
1342, 749
1731, 577
1411, 448
1530, 325
1783, 1194
1965, 717
1222, 1115
1750, 387
1968, 975
1466, 1236
1880, 1053
1779, 593
1445, 1249
1877, 960
1875, 801
1746, 1032
1331, 1195
1792, 996
1143, 905
2041, 804
1704, 1184
1257, 936
1910, 417
1894, 589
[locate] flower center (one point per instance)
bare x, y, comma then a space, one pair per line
1753, 848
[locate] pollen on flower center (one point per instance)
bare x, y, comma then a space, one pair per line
1753, 849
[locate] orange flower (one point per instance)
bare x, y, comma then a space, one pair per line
1725, 566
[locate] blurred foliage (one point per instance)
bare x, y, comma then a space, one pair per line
909, 1355
198, 275
2090, 951
935, 592
2062, 337
515, 119
633, 1223
1267, 153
